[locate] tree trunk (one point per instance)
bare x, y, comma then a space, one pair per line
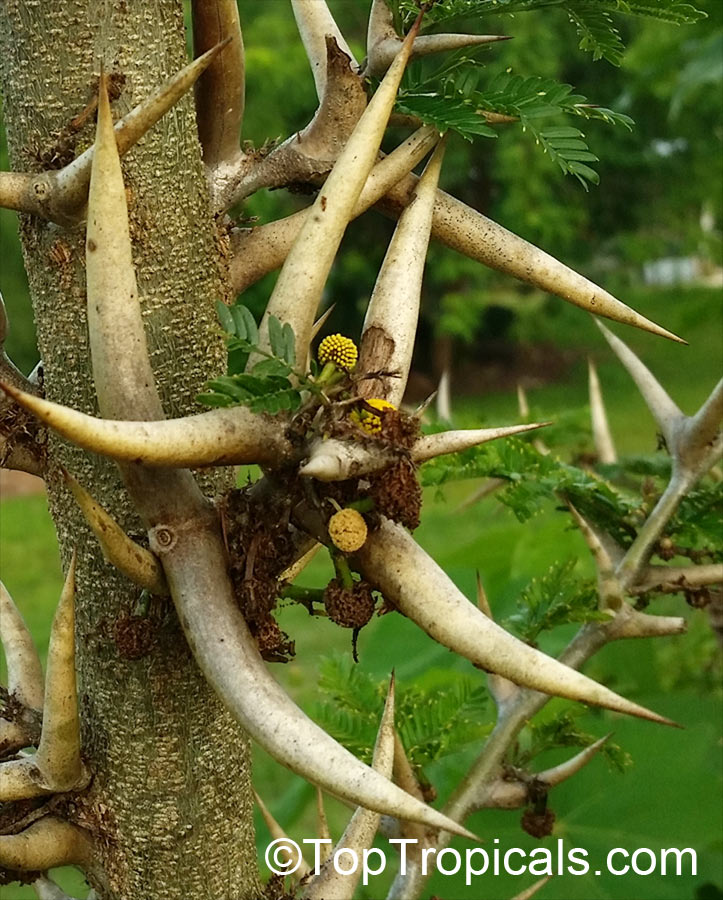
169, 803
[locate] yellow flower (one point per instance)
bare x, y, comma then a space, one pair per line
366, 419
340, 350
348, 530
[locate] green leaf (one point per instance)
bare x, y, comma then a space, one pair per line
276, 337
216, 400
225, 317
271, 367
246, 328
289, 354
446, 112
597, 32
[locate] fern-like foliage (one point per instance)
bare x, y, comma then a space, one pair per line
556, 598
563, 731
433, 718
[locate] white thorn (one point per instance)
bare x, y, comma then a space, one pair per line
215, 438
444, 398
390, 325
530, 892
294, 861
602, 436
25, 675
315, 22
392, 561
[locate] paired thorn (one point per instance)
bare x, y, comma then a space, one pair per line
56, 766
392, 562
335, 460
602, 436
390, 326
135, 562
514, 794
60, 196
383, 42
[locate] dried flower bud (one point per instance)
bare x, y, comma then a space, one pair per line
350, 608
348, 530
368, 420
340, 350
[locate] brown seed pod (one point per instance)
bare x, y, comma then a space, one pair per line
273, 643
348, 530
349, 608
539, 825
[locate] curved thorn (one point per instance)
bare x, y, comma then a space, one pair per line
195, 566
444, 400
557, 774
359, 834
433, 445
49, 890
219, 437
392, 561
530, 892
503, 690
335, 460
47, 843
603, 562
265, 248
383, 52
71, 188
134, 561
296, 568
472, 234
300, 284
315, 22
665, 411
58, 755
672, 580
124, 381
602, 436
220, 92
322, 826
25, 674
390, 325
278, 834
702, 428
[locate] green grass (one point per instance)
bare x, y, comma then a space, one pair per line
669, 798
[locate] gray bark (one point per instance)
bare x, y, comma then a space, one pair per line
170, 804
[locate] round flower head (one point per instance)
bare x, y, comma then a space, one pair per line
366, 419
348, 530
340, 350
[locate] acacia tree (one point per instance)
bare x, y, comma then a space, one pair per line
140, 775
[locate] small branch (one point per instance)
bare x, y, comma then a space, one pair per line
390, 326
219, 437
336, 460
132, 560
46, 844
315, 24
503, 793
674, 580
602, 436
220, 91
25, 674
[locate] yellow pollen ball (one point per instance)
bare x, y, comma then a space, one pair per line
348, 530
366, 419
340, 350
